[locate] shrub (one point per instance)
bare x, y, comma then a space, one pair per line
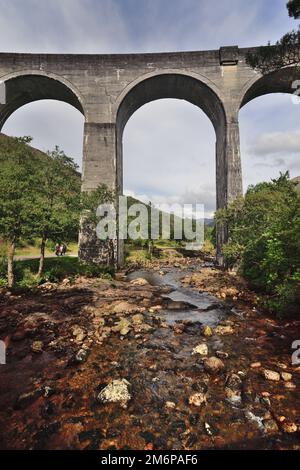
264, 240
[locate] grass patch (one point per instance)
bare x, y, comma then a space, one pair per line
33, 249
56, 269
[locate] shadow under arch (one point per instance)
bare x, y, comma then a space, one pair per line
280, 81
25, 87
175, 86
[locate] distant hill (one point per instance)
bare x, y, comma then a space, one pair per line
209, 222
6, 140
297, 180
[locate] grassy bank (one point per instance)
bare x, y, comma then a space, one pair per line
56, 269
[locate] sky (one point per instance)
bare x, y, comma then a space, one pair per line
169, 145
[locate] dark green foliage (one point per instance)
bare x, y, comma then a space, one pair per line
56, 269
264, 240
57, 204
273, 57
17, 184
39, 197
285, 52
293, 7
90, 201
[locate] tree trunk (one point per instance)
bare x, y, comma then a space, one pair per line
42, 257
10, 264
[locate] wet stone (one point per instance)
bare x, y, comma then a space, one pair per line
270, 426
115, 392
271, 375
198, 399
286, 376
201, 349
213, 365
289, 427
207, 331
37, 347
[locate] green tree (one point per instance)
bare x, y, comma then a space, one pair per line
285, 52
18, 191
293, 7
264, 239
57, 206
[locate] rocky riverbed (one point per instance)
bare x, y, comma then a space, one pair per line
175, 355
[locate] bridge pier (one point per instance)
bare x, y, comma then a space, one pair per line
228, 176
99, 167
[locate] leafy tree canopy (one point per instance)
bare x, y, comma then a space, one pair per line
264, 239
285, 52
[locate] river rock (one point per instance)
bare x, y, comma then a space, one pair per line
139, 282
170, 405
201, 349
207, 331
120, 276
224, 330
123, 327
222, 354
79, 334
255, 365
290, 385
178, 328
115, 392
137, 319
289, 427
37, 347
155, 308
234, 382
126, 307
81, 355
198, 399
213, 365
234, 396
270, 426
286, 376
271, 375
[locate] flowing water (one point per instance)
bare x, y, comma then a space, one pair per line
183, 304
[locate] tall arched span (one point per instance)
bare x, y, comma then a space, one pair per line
178, 86
267, 114
24, 88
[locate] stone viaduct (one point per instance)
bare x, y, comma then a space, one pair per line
108, 89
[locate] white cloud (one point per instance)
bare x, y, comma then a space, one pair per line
277, 143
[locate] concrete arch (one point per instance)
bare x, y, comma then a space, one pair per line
192, 87
184, 86
280, 81
160, 85
27, 86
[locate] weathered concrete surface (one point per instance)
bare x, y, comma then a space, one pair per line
108, 89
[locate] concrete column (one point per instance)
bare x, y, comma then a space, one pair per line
233, 158
229, 174
99, 166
